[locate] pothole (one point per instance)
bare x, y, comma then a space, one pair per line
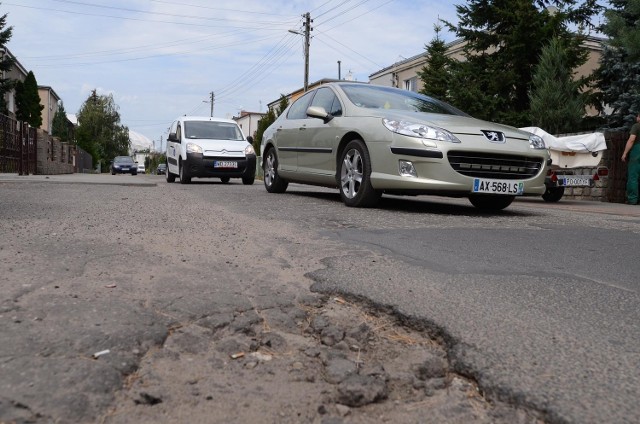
326, 360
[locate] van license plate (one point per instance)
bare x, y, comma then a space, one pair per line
485, 185
224, 164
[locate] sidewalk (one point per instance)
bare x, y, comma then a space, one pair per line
580, 206
108, 179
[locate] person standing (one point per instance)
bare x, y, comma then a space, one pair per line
632, 150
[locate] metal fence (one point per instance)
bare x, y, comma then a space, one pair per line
17, 147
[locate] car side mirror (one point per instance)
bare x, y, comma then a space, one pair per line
250, 140
320, 113
172, 137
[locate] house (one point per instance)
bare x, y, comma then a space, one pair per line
50, 100
404, 74
18, 73
248, 122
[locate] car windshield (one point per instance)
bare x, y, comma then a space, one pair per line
378, 97
212, 130
123, 160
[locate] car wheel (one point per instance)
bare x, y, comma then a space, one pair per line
272, 181
490, 202
184, 173
113, 173
248, 180
355, 172
134, 173
553, 194
225, 180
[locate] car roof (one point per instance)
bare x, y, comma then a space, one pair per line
206, 118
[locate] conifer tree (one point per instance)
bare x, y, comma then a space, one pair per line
28, 107
436, 73
6, 63
557, 105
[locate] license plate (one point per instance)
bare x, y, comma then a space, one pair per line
225, 164
125, 169
575, 181
485, 185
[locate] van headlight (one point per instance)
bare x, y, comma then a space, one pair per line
249, 150
193, 148
536, 142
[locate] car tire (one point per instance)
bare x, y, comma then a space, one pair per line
225, 180
272, 181
113, 173
184, 173
134, 173
355, 176
248, 180
553, 194
490, 202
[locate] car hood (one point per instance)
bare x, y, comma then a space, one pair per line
455, 124
213, 145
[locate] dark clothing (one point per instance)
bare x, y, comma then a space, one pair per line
634, 166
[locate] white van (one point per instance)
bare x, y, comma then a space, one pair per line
204, 147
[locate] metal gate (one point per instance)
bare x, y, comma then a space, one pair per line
17, 147
617, 187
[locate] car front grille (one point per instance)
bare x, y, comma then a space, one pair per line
489, 165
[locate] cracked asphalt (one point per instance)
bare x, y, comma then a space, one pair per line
147, 302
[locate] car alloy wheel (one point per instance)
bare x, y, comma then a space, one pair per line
355, 171
272, 181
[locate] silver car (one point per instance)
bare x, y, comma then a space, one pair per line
369, 140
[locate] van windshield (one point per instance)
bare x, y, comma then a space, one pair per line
212, 130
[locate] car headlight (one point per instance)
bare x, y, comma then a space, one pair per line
193, 148
423, 131
249, 150
536, 142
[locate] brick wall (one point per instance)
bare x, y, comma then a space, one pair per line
53, 156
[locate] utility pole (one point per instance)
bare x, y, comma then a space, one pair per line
213, 97
307, 36
339, 77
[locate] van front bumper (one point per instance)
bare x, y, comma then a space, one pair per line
200, 166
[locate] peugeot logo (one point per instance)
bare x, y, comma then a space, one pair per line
494, 136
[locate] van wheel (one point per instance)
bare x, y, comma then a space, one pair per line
184, 173
169, 176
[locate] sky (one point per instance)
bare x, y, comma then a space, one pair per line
161, 59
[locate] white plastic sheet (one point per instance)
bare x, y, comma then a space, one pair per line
582, 143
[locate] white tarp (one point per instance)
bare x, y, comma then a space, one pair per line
583, 143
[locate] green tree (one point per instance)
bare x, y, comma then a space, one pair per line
436, 73
503, 41
557, 105
619, 71
28, 107
268, 119
6, 63
99, 130
60, 124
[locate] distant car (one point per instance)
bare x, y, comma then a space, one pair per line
161, 169
205, 147
141, 169
123, 165
369, 140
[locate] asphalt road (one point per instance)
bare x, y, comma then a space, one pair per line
539, 303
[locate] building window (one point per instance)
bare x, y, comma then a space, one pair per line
411, 84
